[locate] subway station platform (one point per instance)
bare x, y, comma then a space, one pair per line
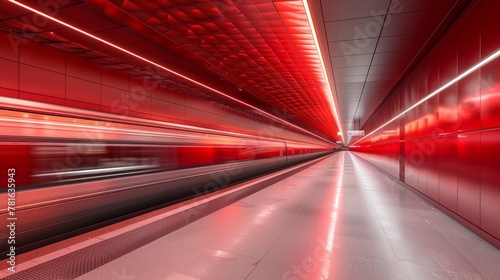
334, 218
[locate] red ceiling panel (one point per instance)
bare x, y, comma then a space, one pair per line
85, 13
12, 11
122, 34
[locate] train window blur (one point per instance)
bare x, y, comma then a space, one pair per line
70, 161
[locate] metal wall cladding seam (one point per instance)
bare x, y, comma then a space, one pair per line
488, 22
469, 103
468, 168
447, 155
489, 178
490, 95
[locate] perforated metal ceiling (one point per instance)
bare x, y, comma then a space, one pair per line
265, 48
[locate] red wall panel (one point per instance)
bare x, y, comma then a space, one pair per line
489, 27
191, 114
40, 81
432, 116
448, 110
42, 98
433, 166
490, 95
83, 69
490, 178
9, 92
422, 123
176, 111
141, 104
469, 41
447, 151
469, 103
408, 162
83, 91
42, 56
447, 57
8, 46
113, 78
115, 100
468, 168
160, 108
9, 74
451, 143
82, 105
160, 94
424, 167
432, 71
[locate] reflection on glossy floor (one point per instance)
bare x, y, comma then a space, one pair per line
339, 219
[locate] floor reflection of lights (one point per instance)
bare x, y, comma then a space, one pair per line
327, 262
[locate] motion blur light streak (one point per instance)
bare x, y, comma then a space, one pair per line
265, 213
329, 93
480, 64
166, 69
100, 128
333, 222
19, 105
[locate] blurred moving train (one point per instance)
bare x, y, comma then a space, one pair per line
72, 167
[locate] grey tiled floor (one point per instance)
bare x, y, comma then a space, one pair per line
338, 219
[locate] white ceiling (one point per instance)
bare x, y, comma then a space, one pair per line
373, 44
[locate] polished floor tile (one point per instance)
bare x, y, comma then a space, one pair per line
338, 219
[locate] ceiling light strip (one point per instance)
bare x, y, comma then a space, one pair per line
480, 64
329, 94
165, 68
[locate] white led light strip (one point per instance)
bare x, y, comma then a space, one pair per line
329, 94
480, 64
164, 68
